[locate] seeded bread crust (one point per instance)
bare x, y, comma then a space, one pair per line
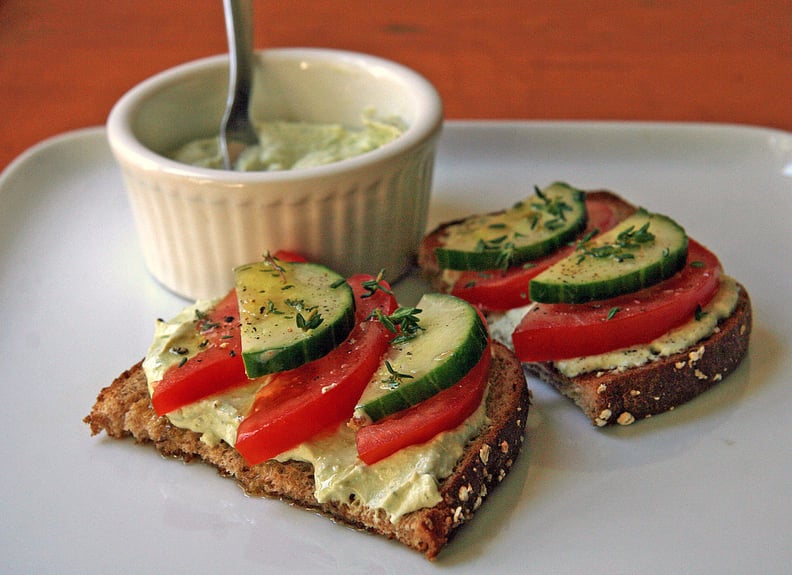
123, 409
622, 397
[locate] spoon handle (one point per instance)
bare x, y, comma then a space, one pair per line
236, 127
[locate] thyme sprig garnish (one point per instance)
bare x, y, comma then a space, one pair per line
270, 309
298, 304
549, 212
504, 247
633, 238
621, 249
395, 378
371, 286
311, 321
312, 318
274, 263
202, 322
586, 238
555, 207
404, 322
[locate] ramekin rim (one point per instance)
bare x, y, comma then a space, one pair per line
426, 126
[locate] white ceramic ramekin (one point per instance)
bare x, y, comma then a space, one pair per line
358, 215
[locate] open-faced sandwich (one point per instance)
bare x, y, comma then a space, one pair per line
323, 391
613, 305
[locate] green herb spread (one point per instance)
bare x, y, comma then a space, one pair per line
293, 145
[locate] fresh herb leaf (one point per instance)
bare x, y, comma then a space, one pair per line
270, 309
502, 247
587, 238
371, 286
274, 263
312, 321
620, 249
396, 378
404, 321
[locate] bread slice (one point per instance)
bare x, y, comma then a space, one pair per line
123, 409
661, 385
623, 397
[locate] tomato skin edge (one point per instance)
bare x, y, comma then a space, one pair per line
420, 423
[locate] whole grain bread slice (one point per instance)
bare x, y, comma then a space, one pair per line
623, 397
123, 409
661, 385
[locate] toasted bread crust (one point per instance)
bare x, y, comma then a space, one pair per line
660, 385
123, 409
427, 261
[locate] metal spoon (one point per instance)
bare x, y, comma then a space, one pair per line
236, 129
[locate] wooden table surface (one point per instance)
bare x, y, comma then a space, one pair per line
63, 64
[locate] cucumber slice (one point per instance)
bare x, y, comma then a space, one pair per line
641, 251
290, 313
450, 342
528, 230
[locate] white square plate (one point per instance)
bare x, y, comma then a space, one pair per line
703, 489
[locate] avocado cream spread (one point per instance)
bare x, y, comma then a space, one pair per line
407, 480
292, 145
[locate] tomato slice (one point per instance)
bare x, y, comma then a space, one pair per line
498, 290
560, 331
219, 366
216, 369
423, 421
296, 405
